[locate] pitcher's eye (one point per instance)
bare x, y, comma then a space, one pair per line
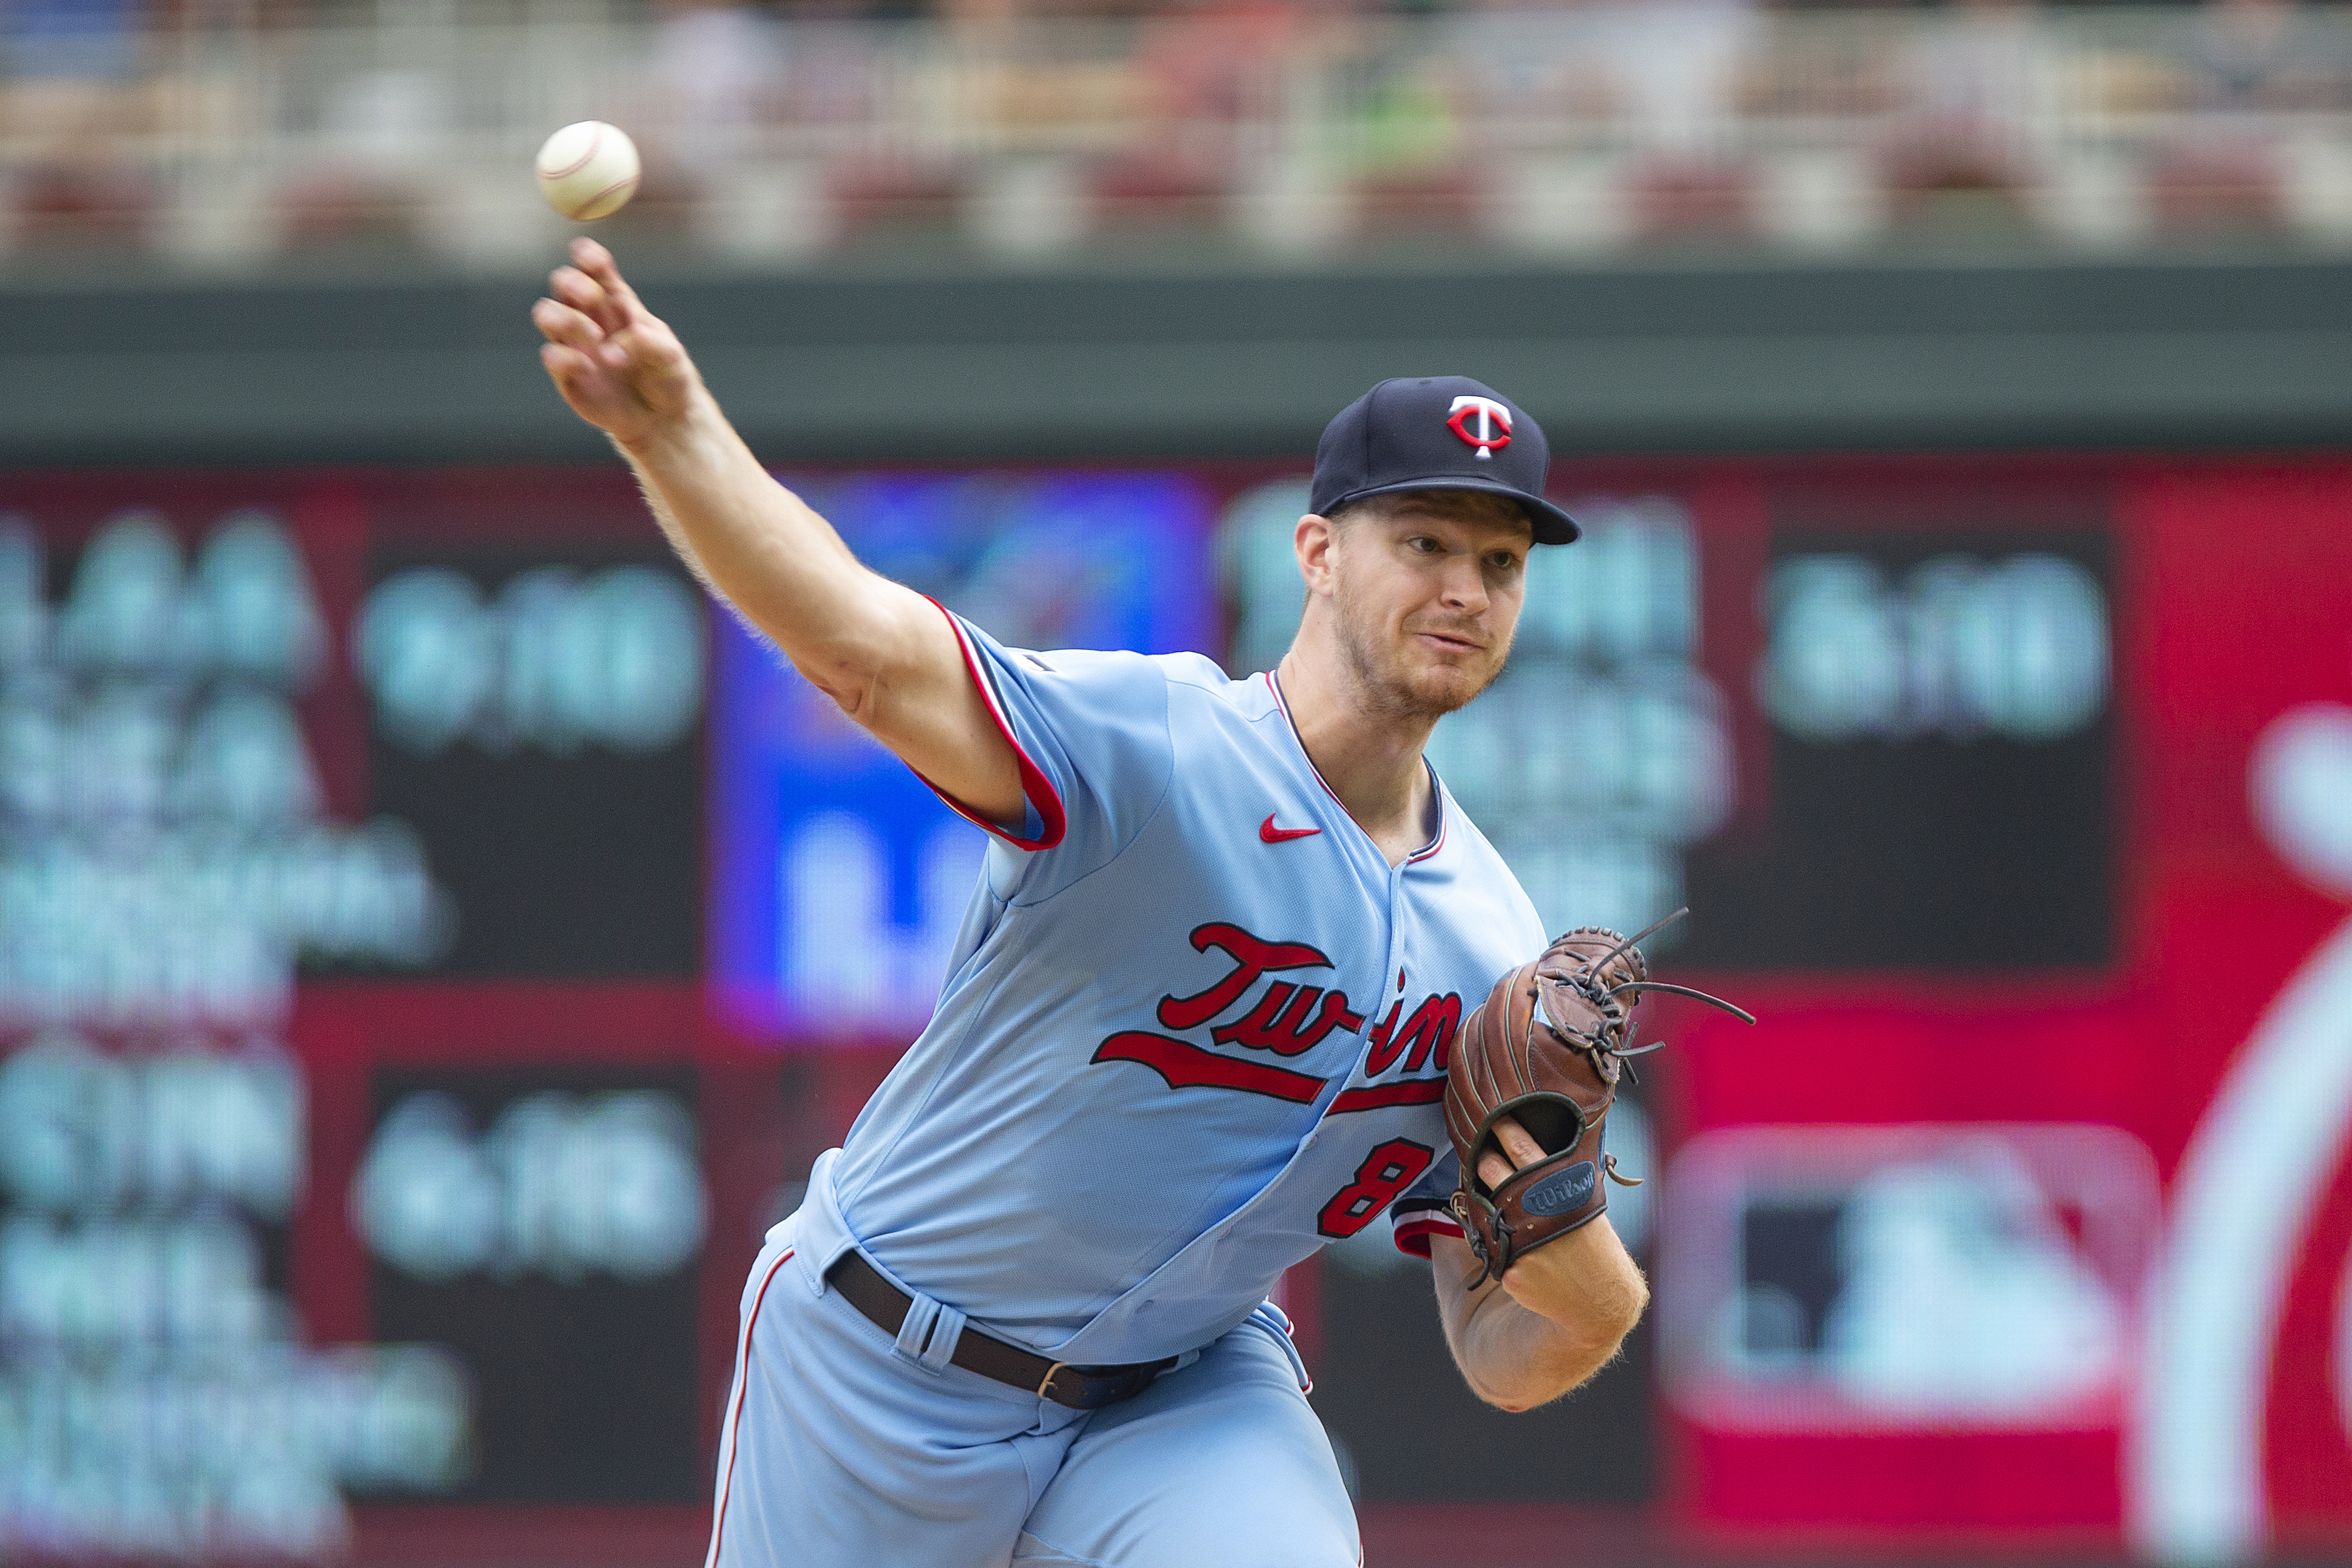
1424, 544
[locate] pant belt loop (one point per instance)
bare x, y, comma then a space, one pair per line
1276, 1325
945, 1332
915, 1334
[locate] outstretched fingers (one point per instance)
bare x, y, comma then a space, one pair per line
566, 324
569, 367
576, 349
585, 346
620, 368
576, 290
620, 305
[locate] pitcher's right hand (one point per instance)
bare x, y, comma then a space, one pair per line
618, 364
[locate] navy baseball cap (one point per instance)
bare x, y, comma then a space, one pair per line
1438, 432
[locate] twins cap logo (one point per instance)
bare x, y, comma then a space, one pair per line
1493, 425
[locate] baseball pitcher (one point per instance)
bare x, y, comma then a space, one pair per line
1224, 983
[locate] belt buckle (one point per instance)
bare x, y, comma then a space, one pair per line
1046, 1388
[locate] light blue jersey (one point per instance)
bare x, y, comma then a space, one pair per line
1194, 1027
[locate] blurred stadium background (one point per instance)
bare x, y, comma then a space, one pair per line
434, 940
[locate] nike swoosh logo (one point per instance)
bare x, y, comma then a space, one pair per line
1273, 835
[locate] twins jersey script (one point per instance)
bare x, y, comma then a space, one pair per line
1194, 1025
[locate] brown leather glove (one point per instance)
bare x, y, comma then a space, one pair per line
1546, 1047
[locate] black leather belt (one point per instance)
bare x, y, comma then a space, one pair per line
1078, 1387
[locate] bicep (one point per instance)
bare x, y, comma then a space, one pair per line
910, 683
888, 656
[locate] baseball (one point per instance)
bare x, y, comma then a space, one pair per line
588, 171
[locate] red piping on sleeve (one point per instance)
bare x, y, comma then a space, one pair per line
1038, 788
1412, 1235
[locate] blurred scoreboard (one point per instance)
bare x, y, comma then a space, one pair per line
837, 877
436, 939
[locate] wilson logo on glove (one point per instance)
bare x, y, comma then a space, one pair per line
1562, 1194
1556, 1082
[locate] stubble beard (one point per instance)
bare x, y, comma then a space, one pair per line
1386, 687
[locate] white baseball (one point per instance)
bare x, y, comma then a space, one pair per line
588, 171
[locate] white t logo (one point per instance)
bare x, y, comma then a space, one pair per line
1492, 430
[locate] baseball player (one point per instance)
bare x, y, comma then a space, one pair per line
1196, 1023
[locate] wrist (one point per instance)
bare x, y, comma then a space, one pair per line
1584, 1283
667, 434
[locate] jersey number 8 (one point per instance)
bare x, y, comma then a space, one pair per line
1386, 1172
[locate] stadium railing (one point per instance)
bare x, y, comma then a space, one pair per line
1593, 129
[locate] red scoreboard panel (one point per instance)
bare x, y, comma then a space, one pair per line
381, 1151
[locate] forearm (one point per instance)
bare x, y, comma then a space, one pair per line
1516, 1359
758, 545
1559, 1315
880, 650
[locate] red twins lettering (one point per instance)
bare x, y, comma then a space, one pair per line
1289, 1018
1288, 1029
1428, 1034
1254, 958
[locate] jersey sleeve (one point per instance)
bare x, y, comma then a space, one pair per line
1089, 733
1419, 1212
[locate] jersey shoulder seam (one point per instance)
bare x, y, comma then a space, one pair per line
1179, 676
1167, 786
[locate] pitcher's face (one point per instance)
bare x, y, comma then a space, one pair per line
1427, 587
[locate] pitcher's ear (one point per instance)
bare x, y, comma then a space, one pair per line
1312, 541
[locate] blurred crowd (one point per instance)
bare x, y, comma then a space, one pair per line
226, 133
